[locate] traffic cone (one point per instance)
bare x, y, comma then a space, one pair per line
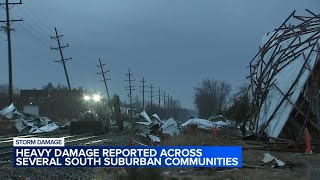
308, 143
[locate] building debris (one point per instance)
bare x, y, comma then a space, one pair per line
147, 128
200, 123
145, 116
10, 112
156, 119
225, 123
154, 139
27, 123
217, 118
170, 127
206, 124
47, 128
220, 120
140, 128
153, 127
284, 75
268, 159
146, 124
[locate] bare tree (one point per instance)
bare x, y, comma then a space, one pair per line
48, 86
4, 90
211, 97
58, 87
137, 104
239, 108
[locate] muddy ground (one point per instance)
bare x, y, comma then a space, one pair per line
298, 165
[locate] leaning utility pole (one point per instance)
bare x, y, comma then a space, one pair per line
159, 97
8, 30
151, 95
63, 60
103, 73
130, 89
143, 91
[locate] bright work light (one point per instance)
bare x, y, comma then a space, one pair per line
86, 98
96, 97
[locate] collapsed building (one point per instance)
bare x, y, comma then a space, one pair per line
25, 123
285, 80
153, 129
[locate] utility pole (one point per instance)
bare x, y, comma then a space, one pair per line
151, 95
159, 97
164, 100
63, 60
7, 6
168, 102
130, 89
164, 103
103, 73
143, 91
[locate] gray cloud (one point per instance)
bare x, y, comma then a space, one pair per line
173, 43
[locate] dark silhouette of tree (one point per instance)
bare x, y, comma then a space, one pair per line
53, 87
48, 86
240, 105
211, 97
4, 90
137, 104
61, 87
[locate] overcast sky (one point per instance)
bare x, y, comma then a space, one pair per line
174, 44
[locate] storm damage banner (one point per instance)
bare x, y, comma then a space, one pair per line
46, 154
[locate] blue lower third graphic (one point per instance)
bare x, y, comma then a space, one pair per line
131, 156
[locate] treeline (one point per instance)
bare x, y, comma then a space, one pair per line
59, 87
4, 91
171, 109
213, 97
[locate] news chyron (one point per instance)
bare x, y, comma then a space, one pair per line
52, 152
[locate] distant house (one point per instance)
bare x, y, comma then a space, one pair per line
56, 104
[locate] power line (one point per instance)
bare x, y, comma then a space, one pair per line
46, 26
63, 60
33, 22
35, 35
151, 95
143, 92
103, 73
164, 100
168, 101
159, 97
8, 30
130, 89
36, 31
